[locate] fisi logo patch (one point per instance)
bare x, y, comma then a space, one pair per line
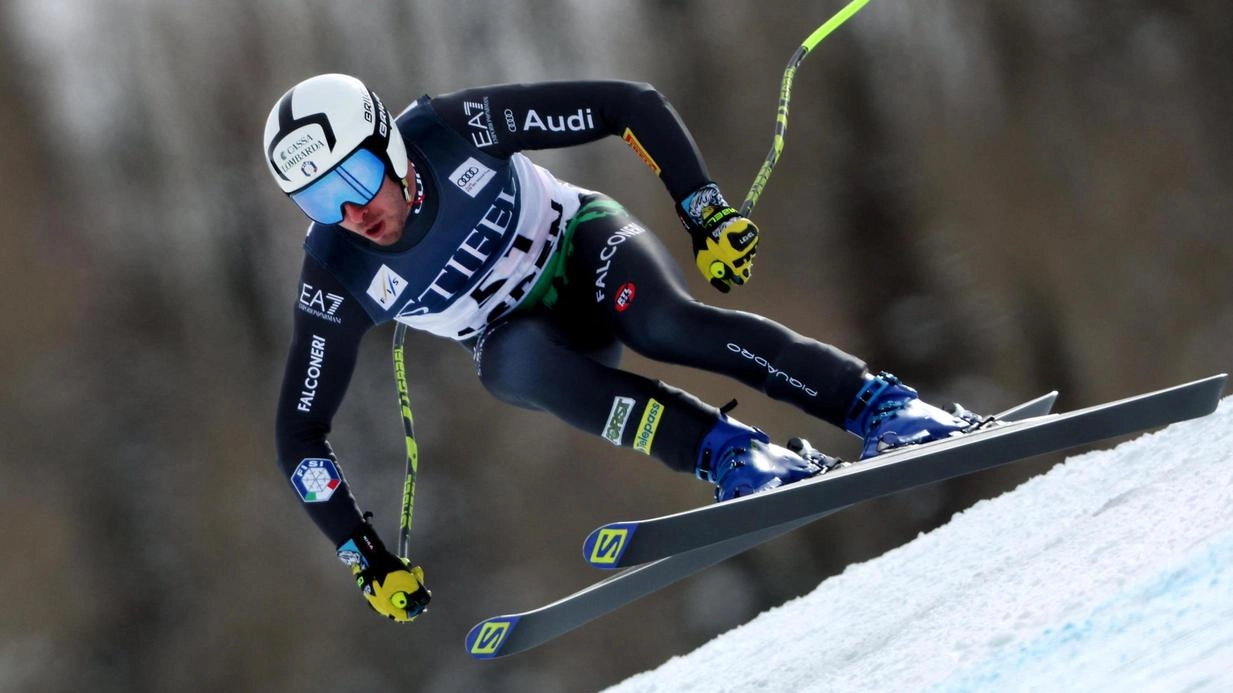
618, 416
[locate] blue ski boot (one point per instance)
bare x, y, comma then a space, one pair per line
887, 414
740, 460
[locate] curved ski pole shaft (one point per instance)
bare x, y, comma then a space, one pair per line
408, 427
785, 95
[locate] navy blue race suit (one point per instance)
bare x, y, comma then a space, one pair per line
543, 280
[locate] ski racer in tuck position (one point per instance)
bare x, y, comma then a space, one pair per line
435, 219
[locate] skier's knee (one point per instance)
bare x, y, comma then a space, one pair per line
665, 333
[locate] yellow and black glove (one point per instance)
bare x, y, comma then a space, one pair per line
724, 241
393, 587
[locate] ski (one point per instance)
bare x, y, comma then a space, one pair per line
623, 544
513, 633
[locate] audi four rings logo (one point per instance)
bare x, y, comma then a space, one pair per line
471, 176
466, 176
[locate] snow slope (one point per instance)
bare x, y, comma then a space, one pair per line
1112, 572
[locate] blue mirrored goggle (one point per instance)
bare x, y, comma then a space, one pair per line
356, 180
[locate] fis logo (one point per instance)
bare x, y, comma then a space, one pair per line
618, 416
647, 427
485, 640
386, 287
606, 545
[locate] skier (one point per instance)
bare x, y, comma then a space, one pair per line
435, 219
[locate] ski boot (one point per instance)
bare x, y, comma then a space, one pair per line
887, 414
740, 460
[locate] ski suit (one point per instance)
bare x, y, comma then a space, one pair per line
544, 282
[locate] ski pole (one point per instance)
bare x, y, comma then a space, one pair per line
785, 95
408, 427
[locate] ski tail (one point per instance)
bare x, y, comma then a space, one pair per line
488, 636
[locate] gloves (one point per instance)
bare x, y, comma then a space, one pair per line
724, 241
393, 587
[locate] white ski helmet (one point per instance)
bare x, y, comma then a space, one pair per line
328, 141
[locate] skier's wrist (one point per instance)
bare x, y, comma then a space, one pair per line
704, 209
392, 586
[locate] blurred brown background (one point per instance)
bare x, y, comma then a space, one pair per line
991, 199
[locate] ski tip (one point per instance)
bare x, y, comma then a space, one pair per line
1212, 388
487, 638
1219, 378
1217, 384
605, 547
